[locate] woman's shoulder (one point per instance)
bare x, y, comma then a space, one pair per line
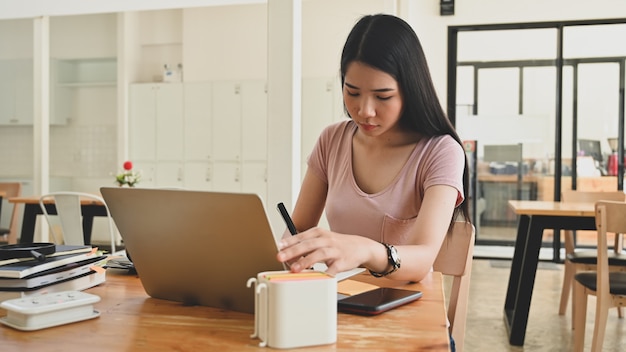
340, 126
444, 138
443, 145
338, 130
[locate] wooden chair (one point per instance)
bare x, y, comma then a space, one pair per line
455, 259
11, 189
609, 287
69, 211
580, 260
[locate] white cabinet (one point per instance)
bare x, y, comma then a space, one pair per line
7, 94
156, 132
201, 135
254, 121
142, 122
198, 175
148, 172
169, 122
226, 135
197, 136
240, 136
255, 178
16, 92
169, 174
197, 124
226, 176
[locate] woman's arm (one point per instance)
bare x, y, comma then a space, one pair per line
342, 252
310, 203
427, 235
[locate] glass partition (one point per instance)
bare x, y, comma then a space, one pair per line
512, 87
502, 76
596, 58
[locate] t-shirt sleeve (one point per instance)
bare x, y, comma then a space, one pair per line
445, 165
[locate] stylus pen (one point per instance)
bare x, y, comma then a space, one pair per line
287, 218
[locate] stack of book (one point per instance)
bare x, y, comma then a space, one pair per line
70, 268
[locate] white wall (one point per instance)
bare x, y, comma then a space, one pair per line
85, 36
234, 45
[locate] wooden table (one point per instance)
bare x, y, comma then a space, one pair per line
90, 208
534, 218
132, 321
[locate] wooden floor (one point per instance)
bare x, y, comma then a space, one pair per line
547, 331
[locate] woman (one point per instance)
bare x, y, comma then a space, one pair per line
394, 177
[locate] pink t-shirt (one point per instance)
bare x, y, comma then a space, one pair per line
387, 215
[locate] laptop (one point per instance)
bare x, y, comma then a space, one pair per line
197, 247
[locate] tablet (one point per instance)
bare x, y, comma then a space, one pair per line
377, 301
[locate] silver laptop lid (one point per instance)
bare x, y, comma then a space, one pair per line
195, 247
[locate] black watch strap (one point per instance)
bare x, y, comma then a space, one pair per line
393, 259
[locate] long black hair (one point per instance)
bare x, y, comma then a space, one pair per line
389, 44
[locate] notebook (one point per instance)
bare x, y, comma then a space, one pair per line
196, 247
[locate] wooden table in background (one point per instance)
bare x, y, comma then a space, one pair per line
132, 321
32, 208
534, 218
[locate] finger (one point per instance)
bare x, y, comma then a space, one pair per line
300, 265
319, 255
292, 254
291, 241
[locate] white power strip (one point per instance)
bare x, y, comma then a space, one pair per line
48, 310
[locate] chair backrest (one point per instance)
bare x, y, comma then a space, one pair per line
69, 211
12, 189
573, 196
455, 259
610, 217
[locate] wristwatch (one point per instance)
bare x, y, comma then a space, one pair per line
393, 258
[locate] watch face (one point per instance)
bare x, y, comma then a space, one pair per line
394, 256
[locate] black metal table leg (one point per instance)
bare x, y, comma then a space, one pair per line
32, 210
524, 267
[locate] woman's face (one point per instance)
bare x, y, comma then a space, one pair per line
372, 98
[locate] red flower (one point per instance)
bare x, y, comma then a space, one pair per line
128, 165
